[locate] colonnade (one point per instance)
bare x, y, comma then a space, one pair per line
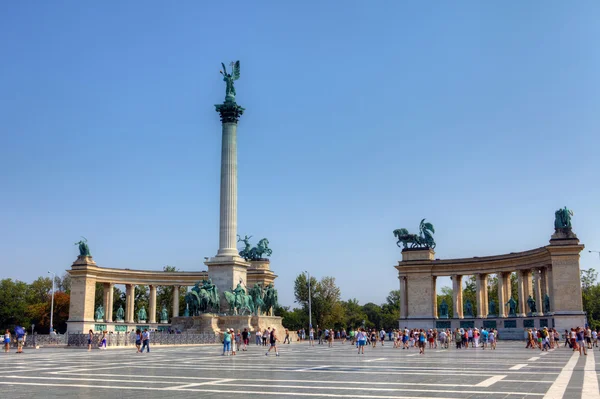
536, 282
108, 302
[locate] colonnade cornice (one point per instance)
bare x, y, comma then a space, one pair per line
536, 258
138, 277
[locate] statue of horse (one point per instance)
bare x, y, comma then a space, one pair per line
257, 293
239, 304
405, 238
193, 302
270, 300
245, 253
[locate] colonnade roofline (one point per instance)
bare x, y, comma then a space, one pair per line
138, 277
535, 258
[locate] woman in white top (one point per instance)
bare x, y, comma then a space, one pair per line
311, 337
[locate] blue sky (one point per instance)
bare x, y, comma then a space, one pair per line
361, 117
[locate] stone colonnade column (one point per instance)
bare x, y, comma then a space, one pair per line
403, 299
457, 302
522, 283
105, 300
111, 302
175, 301
479, 295
486, 305
152, 310
129, 298
537, 273
502, 297
550, 285
508, 286
434, 297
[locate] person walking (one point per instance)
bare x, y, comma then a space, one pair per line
311, 337
265, 335
90, 338
138, 340
287, 337
226, 342
7, 341
245, 339
20, 334
273, 341
103, 340
258, 336
580, 334
145, 341
361, 340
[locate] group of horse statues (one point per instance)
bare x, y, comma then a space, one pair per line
258, 252
204, 298
423, 240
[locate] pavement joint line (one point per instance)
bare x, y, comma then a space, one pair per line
518, 366
590, 380
375, 360
490, 381
226, 391
558, 388
179, 387
533, 359
313, 368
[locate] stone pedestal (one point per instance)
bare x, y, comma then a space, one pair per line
83, 291
211, 323
226, 272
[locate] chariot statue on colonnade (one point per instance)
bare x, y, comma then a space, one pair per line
423, 240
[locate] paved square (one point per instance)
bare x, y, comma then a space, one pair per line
301, 371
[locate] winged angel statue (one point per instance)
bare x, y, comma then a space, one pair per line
229, 78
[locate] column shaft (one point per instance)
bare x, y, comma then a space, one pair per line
502, 298
522, 298
550, 289
176, 301
403, 303
129, 303
484, 292
111, 303
106, 288
434, 299
538, 291
457, 296
152, 310
479, 295
228, 215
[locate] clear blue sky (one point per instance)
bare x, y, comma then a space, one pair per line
361, 117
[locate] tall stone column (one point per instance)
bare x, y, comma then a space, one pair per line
502, 298
457, 302
83, 293
522, 298
227, 268
537, 285
152, 310
129, 305
111, 302
508, 286
175, 301
434, 297
479, 295
403, 301
106, 300
486, 305
550, 288
544, 282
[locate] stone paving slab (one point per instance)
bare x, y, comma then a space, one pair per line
301, 372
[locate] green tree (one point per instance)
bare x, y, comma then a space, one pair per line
294, 319
469, 293
354, 313
374, 315
590, 295
325, 300
13, 303
39, 291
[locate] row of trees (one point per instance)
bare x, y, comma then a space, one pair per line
29, 304
328, 310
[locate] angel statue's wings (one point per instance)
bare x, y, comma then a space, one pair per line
235, 72
224, 69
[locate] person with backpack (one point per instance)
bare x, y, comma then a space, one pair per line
227, 342
20, 334
145, 341
138, 340
422, 339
